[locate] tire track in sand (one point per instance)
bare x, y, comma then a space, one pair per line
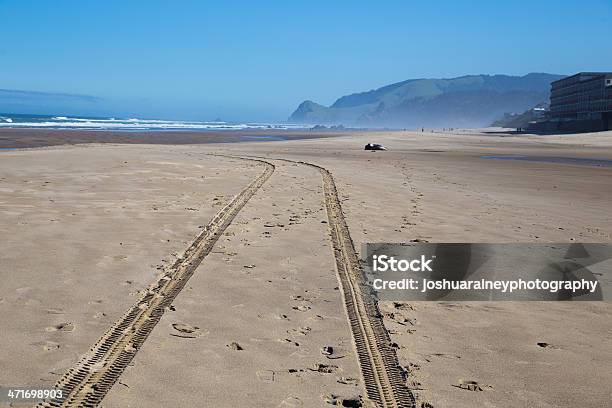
383, 378
86, 384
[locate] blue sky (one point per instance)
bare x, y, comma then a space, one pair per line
256, 60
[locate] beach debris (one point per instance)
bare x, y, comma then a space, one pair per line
374, 147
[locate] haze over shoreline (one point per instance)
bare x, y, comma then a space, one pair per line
466, 101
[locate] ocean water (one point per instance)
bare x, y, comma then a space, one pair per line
561, 160
8, 120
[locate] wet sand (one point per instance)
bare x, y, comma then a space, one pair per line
63, 268
28, 138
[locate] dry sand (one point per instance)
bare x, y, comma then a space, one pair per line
83, 230
271, 287
433, 187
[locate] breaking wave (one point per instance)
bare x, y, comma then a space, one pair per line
66, 122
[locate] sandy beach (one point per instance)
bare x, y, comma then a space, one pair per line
262, 321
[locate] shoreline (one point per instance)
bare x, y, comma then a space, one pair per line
30, 138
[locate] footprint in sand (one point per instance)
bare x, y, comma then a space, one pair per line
48, 345
324, 368
266, 376
441, 355
24, 290
185, 331
234, 346
291, 402
289, 341
297, 297
65, 327
352, 402
547, 345
399, 318
347, 381
334, 353
300, 330
327, 350
403, 306
468, 385
32, 302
